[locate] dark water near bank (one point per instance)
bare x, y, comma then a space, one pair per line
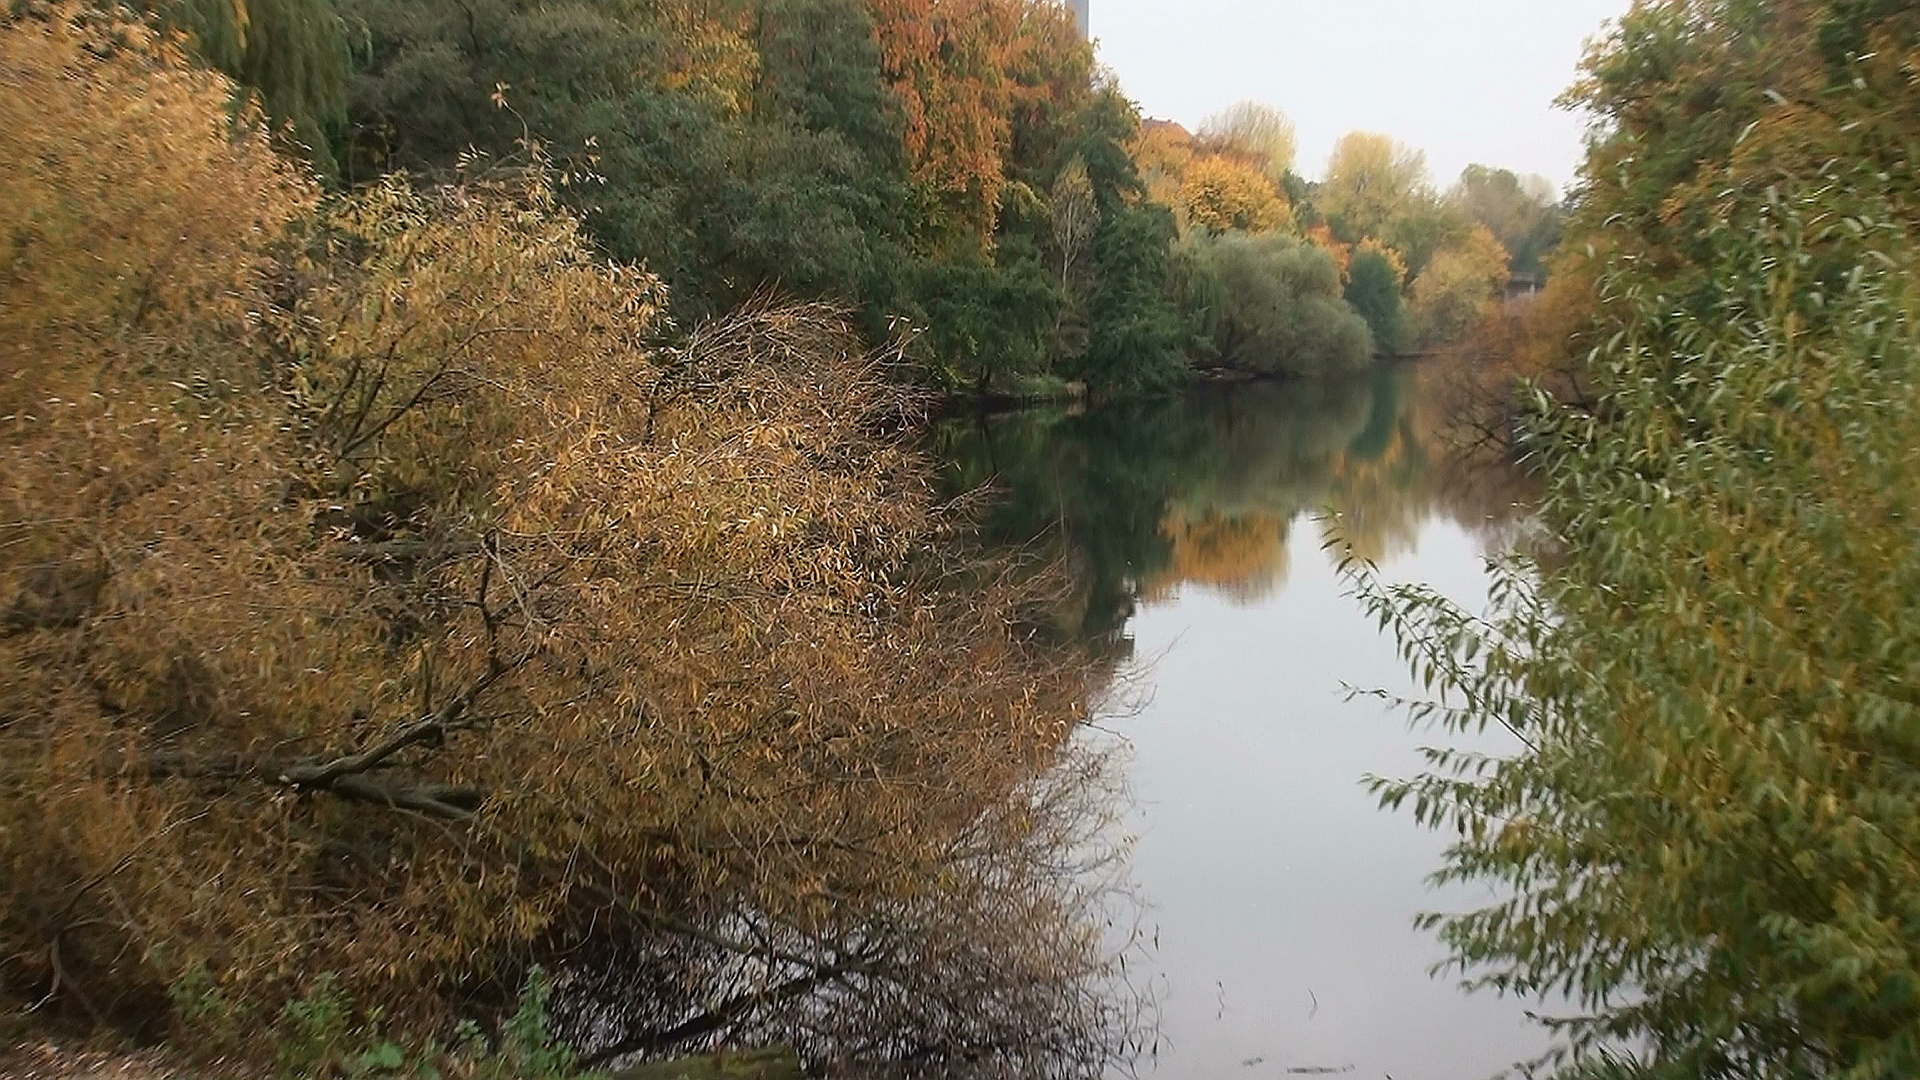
1278, 900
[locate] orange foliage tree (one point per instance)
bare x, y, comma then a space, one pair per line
961, 70
1209, 184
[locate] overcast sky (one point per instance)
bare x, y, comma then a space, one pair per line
1465, 80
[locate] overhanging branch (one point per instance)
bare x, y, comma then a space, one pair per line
444, 801
351, 776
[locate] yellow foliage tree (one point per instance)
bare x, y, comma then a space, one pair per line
1370, 180
1256, 131
1218, 194
710, 50
1460, 287
1209, 185
1161, 148
1161, 151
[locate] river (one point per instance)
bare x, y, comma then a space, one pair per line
1277, 899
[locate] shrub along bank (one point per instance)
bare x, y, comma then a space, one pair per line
384, 613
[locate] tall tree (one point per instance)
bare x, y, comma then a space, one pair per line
1370, 181
1521, 212
292, 53
1375, 275
947, 61
1708, 838
1258, 131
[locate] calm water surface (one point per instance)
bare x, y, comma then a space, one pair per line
1279, 898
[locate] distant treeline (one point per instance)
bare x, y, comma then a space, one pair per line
959, 169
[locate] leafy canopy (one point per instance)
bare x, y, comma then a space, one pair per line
1709, 838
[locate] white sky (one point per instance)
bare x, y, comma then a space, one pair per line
1468, 81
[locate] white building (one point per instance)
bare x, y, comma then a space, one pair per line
1081, 12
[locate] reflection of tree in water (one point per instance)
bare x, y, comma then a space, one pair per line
1241, 556
1138, 500
942, 916
1087, 490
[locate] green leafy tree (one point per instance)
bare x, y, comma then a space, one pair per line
1708, 837
1373, 289
820, 65
800, 186
1710, 833
1520, 212
292, 53
1426, 224
989, 320
1137, 337
1273, 304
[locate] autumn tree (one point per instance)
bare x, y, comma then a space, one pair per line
897, 156
1370, 181
381, 599
1256, 131
732, 147
1218, 194
1459, 287
1211, 182
1161, 152
947, 61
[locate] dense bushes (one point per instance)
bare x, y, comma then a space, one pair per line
1273, 304
379, 600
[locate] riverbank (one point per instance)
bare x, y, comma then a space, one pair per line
1047, 392
52, 1061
